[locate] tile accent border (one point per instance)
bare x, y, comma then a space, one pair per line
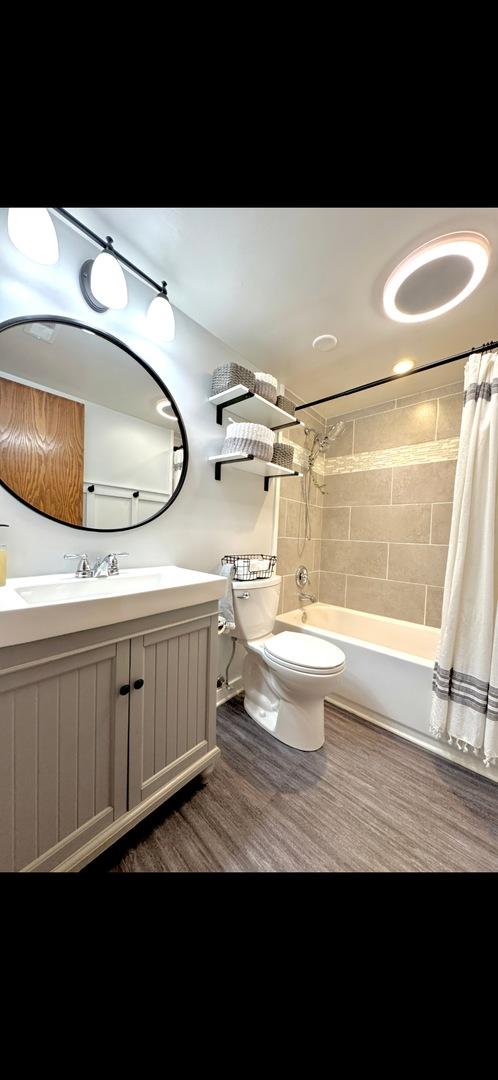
440, 450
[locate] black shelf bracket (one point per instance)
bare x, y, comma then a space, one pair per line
291, 423
268, 478
229, 404
218, 464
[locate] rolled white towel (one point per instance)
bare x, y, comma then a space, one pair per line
264, 376
258, 565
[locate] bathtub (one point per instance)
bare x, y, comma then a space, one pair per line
388, 673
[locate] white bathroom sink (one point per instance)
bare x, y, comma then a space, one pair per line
32, 608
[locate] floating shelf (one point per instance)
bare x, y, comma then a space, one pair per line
249, 463
252, 407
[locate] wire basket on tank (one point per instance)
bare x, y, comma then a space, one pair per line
251, 567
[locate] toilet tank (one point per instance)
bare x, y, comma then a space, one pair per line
255, 606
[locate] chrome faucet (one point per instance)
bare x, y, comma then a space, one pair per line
104, 566
307, 596
107, 565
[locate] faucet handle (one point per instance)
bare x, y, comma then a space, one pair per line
113, 561
84, 569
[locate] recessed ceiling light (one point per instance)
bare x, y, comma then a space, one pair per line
325, 342
403, 366
436, 277
165, 408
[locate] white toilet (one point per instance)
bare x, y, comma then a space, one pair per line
286, 676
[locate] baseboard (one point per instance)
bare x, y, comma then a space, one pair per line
426, 742
227, 692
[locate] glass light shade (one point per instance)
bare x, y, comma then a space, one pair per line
107, 281
160, 319
32, 232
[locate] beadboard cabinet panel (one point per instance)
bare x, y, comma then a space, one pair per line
97, 729
171, 722
63, 751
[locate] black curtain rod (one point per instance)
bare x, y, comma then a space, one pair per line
394, 378
103, 244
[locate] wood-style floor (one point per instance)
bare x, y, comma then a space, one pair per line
367, 801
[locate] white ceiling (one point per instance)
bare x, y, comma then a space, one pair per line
269, 280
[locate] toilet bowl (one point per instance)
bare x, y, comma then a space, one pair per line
286, 676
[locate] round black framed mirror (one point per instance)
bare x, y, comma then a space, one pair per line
90, 436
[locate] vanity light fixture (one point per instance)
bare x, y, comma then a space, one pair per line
160, 317
446, 270
32, 232
102, 281
403, 366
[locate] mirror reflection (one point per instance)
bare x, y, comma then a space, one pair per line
87, 435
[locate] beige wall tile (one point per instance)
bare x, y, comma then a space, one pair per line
290, 487
449, 416
408, 524
429, 395
417, 562
383, 406
441, 522
354, 557
316, 522
295, 516
434, 606
282, 516
332, 588
335, 523
291, 591
430, 482
343, 444
402, 427
288, 557
367, 488
317, 561
395, 599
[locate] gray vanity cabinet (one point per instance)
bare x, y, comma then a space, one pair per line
99, 727
172, 715
63, 754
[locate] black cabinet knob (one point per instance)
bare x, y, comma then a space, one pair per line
123, 690
138, 684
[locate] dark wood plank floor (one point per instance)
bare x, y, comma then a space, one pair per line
367, 801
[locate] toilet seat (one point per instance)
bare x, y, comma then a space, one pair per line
302, 652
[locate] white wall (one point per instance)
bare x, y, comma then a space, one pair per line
208, 519
121, 449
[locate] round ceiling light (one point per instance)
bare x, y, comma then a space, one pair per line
325, 342
403, 366
165, 408
436, 277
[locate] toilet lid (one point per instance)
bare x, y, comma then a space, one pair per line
305, 652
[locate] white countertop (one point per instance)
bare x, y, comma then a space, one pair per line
34, 608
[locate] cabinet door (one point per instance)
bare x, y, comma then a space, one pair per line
173, 714
63, 754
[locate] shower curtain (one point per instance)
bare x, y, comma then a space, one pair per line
465, 681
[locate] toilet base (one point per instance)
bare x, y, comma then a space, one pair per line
294, 718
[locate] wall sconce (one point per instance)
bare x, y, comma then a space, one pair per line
102, 281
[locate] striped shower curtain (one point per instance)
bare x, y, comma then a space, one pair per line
465, 681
